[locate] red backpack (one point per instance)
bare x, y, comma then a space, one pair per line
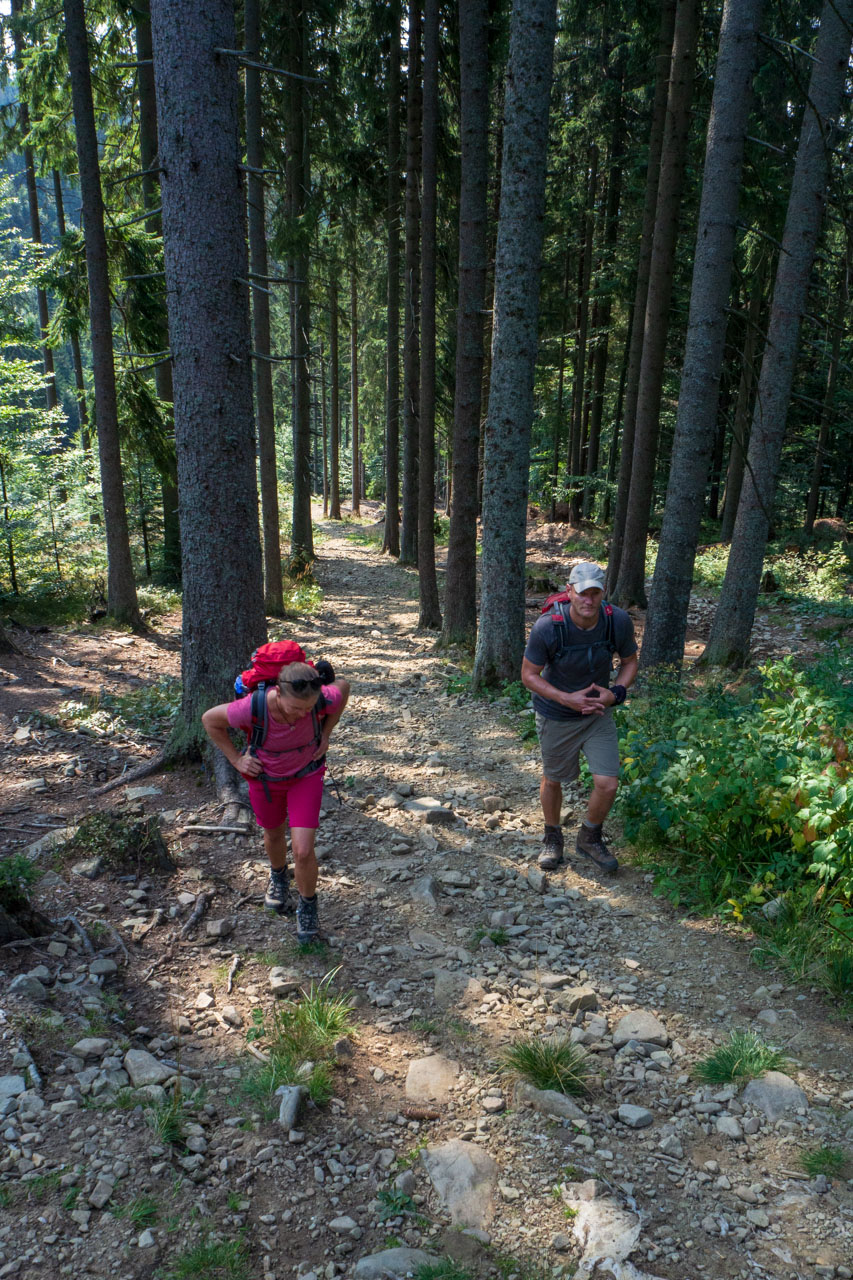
556, 603
267, 662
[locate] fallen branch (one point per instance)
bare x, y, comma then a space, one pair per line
232, 969
202, 826
81, 932
197, 912
154, 765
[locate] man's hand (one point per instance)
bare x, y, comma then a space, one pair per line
592, 701
249, 765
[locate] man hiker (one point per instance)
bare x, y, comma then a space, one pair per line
566, 667
285, 773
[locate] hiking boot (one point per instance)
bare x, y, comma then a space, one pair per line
590, 844
552, 849
307, 920
277, 897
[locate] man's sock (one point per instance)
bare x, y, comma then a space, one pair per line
313, 898
551, 827
592, 826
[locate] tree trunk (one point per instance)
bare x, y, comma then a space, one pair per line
695, 429
411, 308
335, 402
430, 612
32, 199
728, 644
740, 426
500, 641
10, 545
579, 378
298, 188
121, 587
561, 386
617, 421
148, 155
829, 396
663, 63
391, 539
460, 596
630, 586
264, 408
76, 358
325, 430
353, 361
204, 238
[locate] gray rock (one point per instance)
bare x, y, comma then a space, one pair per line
91, 1047
391, 1264
220, 928
464, 1177
141, 793
29, 987
100, 1193
456, 989
581, 999
88, 868
291, 1100
49, 841
640, 1025
144, 1069
428, 809
146, 1239
232, 1015
671, 1146
493, 804
102, 967
548, 1102
729, 1127
425, 891
284, 982
536, 878
431, 1079
635, 1117
423, 941
343, 1225
774, 1093
602, 1228
12, 1086
758, 1218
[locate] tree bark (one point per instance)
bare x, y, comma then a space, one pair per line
728, 644
121, 588
334, 402
500, 640
696, 427
561, 385
663, 63
204, 237
430, 610
630, 585
580, 362
412, 304
264, 408
391, 539
460, 596
148, 153
740, 425
353, 362
76, 358
33, 202
325, 429
298, 188
829, 395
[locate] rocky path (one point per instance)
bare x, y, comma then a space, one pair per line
453, 944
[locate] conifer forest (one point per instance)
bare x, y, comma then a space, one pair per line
361, 323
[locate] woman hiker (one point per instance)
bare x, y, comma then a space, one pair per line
285, 774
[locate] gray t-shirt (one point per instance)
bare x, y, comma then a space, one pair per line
585, 659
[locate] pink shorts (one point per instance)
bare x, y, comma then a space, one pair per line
297, 801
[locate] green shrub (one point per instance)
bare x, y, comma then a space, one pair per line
17, 875
548, 1064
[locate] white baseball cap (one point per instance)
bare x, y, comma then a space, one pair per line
585, 575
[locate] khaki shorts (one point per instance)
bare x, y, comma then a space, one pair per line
562, 741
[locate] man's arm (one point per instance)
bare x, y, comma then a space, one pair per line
626, 676
579, 701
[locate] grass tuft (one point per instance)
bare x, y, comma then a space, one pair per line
830, 1161
221, 1260
745, 1057
166, 1120
548, 1064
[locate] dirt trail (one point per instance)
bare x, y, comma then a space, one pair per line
696, 1180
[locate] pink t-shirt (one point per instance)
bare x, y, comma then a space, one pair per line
288, 747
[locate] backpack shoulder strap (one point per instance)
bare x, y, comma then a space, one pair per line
610, 627
260, 718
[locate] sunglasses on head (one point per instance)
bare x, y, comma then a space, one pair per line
306, 684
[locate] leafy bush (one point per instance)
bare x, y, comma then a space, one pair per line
152, 709
17, 874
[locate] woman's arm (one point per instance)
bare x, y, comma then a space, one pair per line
333, 717
216, 726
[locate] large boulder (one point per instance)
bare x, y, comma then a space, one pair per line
464, 1177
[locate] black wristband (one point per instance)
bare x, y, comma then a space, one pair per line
620, 693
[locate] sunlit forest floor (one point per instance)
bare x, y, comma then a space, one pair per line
146, 1141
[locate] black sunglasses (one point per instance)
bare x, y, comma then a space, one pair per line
314, 683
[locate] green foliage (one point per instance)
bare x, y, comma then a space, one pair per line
151, 709
830, 1161
745, 1057
124, 844
166, 1120
444, 1269
746, 783
17, 875
811, 935
213, 1260
302, 593
548, 1064
394, 1203
298, 1037
142, 1212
